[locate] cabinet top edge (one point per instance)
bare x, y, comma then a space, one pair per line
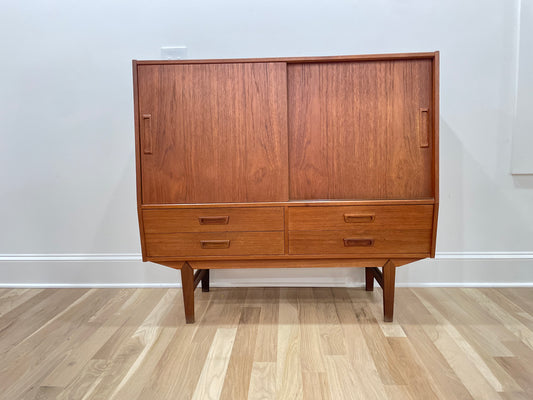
292, 60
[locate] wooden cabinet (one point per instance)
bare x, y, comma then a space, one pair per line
288, 162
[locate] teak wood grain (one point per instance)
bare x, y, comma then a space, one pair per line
377, 218
288, 162
213, 219
214, 243
310, 262
286, 260
354, 130
360, 241
218, 132
435, 164
294, 203
138, 170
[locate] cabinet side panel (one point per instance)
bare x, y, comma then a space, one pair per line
354, 130
138, 157
436, 108
218, 133
436, 116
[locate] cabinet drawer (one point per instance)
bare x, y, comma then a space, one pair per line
214, 244
376, 218
212, 219
360, 242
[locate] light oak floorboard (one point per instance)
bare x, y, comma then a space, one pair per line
266, 343
267, 337
289, 359
213, 374
263, 381
10, 299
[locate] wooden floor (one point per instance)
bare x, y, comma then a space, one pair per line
266, 343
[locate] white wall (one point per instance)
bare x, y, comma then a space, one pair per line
522, 157
67, 144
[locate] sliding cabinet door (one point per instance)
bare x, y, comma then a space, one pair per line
213, 132
360, 130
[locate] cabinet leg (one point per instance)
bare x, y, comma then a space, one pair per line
187, 285
369, 279
205, 281
389, 281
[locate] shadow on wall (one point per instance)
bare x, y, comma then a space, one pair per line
451, 189
472, 200
121, 206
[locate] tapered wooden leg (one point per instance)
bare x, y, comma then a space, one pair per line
205, 281
389, 281
369, 279
187, 285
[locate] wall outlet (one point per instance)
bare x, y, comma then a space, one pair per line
174, 53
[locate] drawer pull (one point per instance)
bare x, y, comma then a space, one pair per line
352, 242
359, 218
214, 244
222, 220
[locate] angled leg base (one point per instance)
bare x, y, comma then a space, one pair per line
189, 282
386, 280
187, 287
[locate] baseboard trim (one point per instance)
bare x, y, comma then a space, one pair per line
348, 284
467, 285
89, 285
126, 270
485, 255
73, 257
227, 284
107, 257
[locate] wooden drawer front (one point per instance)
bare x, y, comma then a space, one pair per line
360, 242
214, 244
361, 217
213, 219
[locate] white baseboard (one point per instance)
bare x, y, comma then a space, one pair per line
256, 283
89, 285
72, 257
126, 270
467, 284
229, 284
485, 255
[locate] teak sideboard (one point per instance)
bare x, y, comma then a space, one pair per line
288, 162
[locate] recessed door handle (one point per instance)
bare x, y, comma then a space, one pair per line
356, 242
359, 218
423, 127
218, 220
146, 126
214, 244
